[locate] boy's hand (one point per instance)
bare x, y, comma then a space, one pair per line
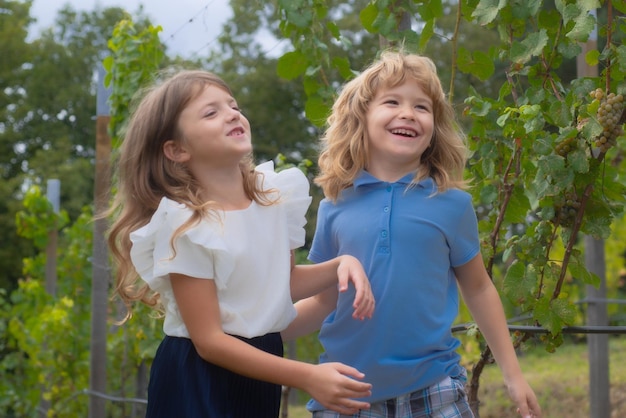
522, 394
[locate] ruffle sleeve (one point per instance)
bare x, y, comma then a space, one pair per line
293, 187
199, 251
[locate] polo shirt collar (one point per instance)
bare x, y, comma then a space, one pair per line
366, 178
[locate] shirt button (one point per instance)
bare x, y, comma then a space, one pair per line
383, 234
386, 209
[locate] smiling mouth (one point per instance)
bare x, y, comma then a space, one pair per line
236, 132
408, 133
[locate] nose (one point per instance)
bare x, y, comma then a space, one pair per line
234, 114
407, 112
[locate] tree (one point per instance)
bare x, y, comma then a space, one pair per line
63, 112
53, 134
48, 101
273, 105
38, 362
15, 51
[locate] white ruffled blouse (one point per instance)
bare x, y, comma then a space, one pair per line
247, 254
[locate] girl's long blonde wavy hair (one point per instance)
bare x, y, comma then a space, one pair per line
145, 175
344, 145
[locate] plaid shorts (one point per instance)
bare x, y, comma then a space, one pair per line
446, 399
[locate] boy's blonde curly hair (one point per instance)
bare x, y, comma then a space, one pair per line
344, 145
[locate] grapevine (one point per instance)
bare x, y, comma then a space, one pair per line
567, 208
609, 117
566, 146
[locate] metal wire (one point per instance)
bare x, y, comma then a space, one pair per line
588, 329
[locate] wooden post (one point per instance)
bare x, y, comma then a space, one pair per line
53, 192
597, 344
100, 262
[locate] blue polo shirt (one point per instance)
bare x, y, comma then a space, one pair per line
408, 240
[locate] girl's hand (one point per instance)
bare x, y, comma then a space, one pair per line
330, 385
350, 269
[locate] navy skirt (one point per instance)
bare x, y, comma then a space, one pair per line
183, 385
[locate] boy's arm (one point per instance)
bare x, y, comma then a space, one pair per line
483, 301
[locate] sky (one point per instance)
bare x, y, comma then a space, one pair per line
190, 27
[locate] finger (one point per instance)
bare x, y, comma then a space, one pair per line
356, 405
362, 290
359, 304
343, 281
523, 410
349, 371
359, 394
535, 409
371, 305
358, 389
363, 297
372, 308
355, 392
348, 406
342, 409
364, 310
354, 389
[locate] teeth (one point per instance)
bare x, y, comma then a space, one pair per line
405, 132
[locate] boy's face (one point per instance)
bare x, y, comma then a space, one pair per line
400, 125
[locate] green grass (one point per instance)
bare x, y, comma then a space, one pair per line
560, 381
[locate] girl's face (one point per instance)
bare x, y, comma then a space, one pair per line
399, 129
214, 131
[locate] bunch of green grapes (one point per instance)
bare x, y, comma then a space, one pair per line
609, 116
566, 146
567, 208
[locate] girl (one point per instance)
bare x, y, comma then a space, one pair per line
213, 239
391, 168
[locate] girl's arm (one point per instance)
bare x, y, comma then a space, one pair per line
311, 313
483, 301
310, 279
331, 383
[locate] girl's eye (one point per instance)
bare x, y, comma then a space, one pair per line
391, 101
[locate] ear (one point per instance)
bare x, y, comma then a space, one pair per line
175, 152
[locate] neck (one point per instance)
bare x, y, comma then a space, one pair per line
391, 173
226, 188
